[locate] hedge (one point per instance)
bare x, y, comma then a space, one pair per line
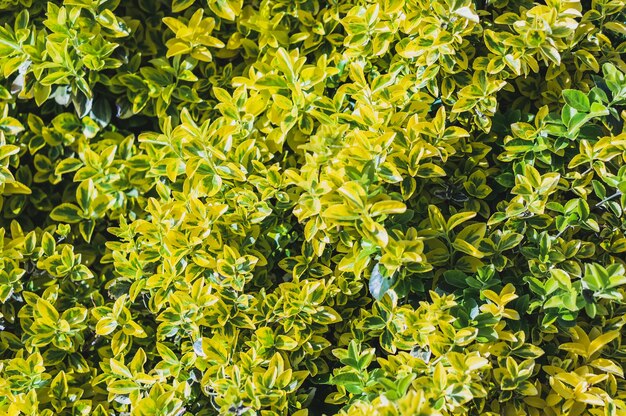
306, 207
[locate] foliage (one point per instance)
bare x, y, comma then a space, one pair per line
391, 207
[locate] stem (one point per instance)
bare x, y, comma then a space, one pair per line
561, 232
608, 198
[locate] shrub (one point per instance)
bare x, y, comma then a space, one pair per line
276, 207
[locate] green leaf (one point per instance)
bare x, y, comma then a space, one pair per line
68, 165
561, 277
284, 342
226, 9
458, 219
105, 326
85, 194
355, 194
8, 150
272, 81
466, 247
122, 387
11, 126
467, 13
83, 102
577, 99
47, 311
42, 92
387, 208
119, 369
430, 170
86, 229
66, 123
326, 316
99, 206
58, 386
379, 284
180, 5
68, 213
48, 244
346, 379
101, 112
55, 77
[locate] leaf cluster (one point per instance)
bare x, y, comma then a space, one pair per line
353, 207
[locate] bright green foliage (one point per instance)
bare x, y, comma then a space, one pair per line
298, 207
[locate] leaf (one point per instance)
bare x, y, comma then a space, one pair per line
58, 386
473, 233
11, 126
430, 170
66, 123
166, 353
374, 231
387, 208
561, 277
600, 342
551, 53
68, 165
284, 63
47, 311
354, 194
284, 342
180, 5
341, 212
577, 99
588, 59
459, 218
66, 212
85, 194
379, 284
119, 369
455, 278
83, 103
105, 326
42, 92
348, 380
100, 205
326, 316
122, 387
226, 9
465, 247
48, 244
86, 229
101, 112
607, 366
272, 81
468, 14
510, 240
55, 77
617, 27
437, 220
8, 150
